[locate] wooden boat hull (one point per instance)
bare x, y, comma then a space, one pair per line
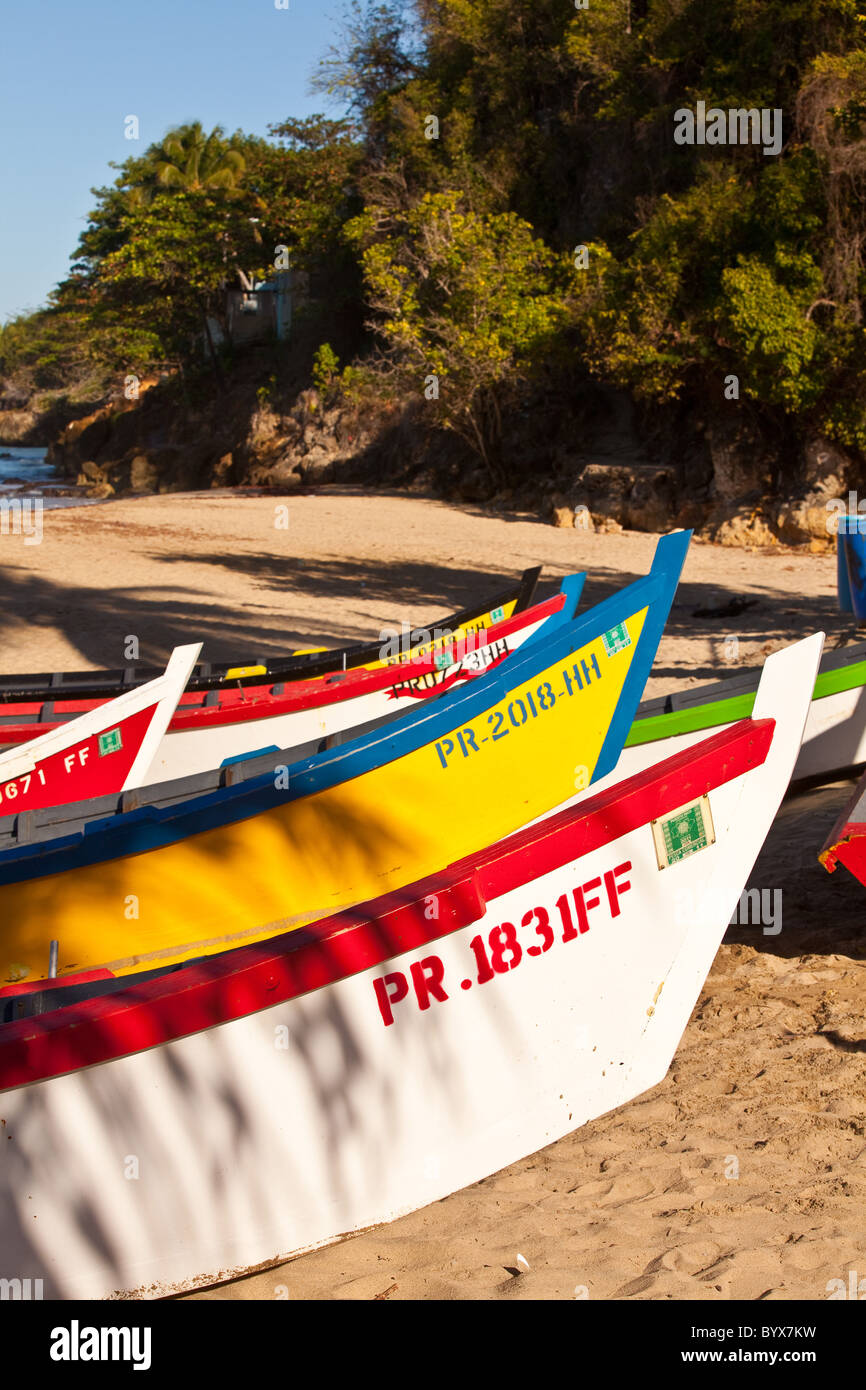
110, 749
208, 731
295, 666
269, 1101
249, 861
834, 740
846, 843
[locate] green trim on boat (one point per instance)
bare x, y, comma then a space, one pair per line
687, 721
717, 712
845, 678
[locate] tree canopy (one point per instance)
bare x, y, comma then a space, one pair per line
506, 192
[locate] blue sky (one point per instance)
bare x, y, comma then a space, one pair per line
73, 71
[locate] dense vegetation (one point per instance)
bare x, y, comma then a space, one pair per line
506, 202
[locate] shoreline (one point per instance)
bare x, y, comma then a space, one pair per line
339, 564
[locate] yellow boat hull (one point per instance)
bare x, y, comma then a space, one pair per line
310, 855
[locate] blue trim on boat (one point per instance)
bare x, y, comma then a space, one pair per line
572, 587
151, 826
247, 757
668, 560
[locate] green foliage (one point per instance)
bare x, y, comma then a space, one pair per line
775, 341
325, 367
305, 188
487, 140
191, 160
168, 272
51, 350
470, 300
720, 279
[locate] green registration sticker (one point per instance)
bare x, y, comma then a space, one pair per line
442, 660
497, 615
110, 743
685, 832
616, 640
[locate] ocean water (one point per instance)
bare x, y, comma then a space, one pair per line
25, 473
27, 464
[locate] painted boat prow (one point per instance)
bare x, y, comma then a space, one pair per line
80, 759
667, 566
382, 810
834, 740
295, 666
572, 587
784, 695
151, 825
172, 684
377, 1062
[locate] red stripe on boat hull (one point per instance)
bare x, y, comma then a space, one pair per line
257, 702
80, 770
848, 847
256, 977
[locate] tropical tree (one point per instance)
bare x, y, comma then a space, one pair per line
467, 304
191, 160
375, 55
305, 185
164, 241
172, 266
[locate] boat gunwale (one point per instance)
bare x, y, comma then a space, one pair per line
721, 709
210, 675
147, 826
195, 998
268, 702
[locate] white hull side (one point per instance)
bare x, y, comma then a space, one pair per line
247, 1152
834, 739
835, 736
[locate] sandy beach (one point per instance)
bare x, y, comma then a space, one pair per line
743, 1175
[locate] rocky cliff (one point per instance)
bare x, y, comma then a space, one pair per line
592, 459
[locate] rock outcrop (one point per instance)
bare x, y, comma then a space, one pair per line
597, 462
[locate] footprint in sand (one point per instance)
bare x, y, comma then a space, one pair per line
629, 1187
691, 1258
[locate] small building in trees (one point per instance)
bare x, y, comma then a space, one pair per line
256, 311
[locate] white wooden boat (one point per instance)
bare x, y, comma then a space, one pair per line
107, 750
162, 1135
834, 741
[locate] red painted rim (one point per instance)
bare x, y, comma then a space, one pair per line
846, 845
252, 978
81, 767
257, 702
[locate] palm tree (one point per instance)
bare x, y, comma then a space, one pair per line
190, 162
189, 159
